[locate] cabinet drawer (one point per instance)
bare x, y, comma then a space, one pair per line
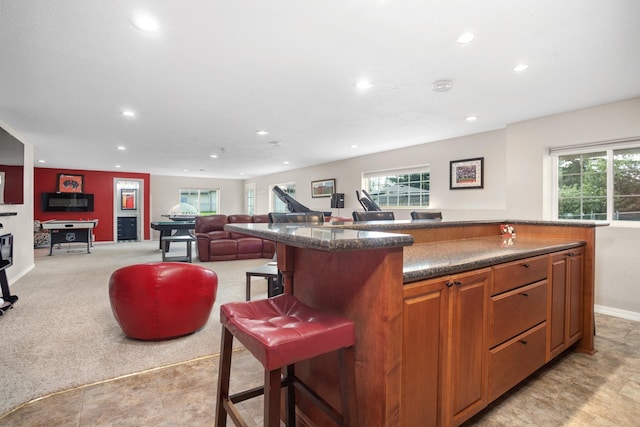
518, 310
515, 360
519, 273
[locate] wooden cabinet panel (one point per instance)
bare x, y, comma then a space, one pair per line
444, 361
519, 273
469, 343
565, 312
425, 306
516, 311
575, 267
515, 360
557, 304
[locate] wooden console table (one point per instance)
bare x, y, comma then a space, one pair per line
424, 297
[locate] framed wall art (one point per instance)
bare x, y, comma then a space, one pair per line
128, 199
70, 183
323, 187
466, 173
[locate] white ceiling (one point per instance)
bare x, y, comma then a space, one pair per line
217, 71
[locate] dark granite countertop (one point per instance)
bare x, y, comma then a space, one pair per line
322, 237
410, 224
420, 260
429, 260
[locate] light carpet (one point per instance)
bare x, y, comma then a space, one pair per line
62, 334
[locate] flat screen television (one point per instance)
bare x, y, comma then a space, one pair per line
11, 169
6, 251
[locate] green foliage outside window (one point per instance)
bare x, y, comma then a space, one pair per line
582, 185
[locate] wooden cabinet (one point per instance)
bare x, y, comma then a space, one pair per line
425, 313
565, 303
127, 228
444, 364
517, 313
516, 359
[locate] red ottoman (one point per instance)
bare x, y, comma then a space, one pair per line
162, 300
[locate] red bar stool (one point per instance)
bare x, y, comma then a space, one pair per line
279, 332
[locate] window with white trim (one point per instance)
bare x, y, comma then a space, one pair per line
399, 188
206, 201
598, 182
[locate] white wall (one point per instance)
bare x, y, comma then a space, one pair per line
458, 204
21, 225
517, 184
165, 193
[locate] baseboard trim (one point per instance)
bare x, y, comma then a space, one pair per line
617, 312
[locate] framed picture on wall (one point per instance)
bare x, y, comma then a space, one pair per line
128, 199
466, 173
70, 183
323, 187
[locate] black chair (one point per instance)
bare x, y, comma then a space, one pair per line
434, 216
367, 202
373, 216
296, 217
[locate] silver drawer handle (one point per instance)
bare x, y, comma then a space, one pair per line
524, 294
525, 342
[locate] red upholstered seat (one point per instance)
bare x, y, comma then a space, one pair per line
281, 331
162, 300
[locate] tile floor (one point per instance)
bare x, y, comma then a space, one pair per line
575, 390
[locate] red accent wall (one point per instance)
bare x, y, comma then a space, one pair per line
13, 188
98, 183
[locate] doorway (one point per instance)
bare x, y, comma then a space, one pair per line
128, 209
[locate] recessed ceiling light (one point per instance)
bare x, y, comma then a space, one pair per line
241, 173
364, 84
472, 118
520, 67
185, 170
442, 85
285, 162
145, 23
42, 161
354, 146
465, 38
262, 132
213, 156
117, 166
128, 113
274, 143
121, 147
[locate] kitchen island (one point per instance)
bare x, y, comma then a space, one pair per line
449, 315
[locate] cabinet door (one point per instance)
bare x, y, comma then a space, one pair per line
557, 305
424, 323
565, 303
469, 343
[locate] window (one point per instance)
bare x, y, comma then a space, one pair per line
399, 187
250, 198
206, 201
602, 184
276, 204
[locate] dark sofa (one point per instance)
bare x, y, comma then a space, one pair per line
216, 244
